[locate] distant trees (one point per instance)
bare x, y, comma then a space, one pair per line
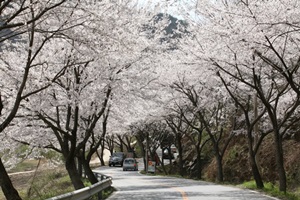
179, 129
206, 117
149, 136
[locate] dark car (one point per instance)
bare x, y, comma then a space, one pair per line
116, 158
130, 164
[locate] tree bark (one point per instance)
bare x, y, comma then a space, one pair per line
73, 174
7, 187
100, 156
180, 156
198, 166
280, 162
170, 160
162, 163
253, 163
220, 176
88, 172
102, 153
79, 166
255, 172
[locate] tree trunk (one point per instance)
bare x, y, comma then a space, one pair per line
100, 156
8, 189
198, 166
280, 162
180, 151
253, 163
163, 163
73, 174
170, 160
220, 176
255, 170
89, 173
79, 166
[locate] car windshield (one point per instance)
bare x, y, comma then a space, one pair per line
129, 161
118, 154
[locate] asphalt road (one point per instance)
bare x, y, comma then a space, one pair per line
132, 185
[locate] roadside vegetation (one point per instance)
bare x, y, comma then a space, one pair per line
237, 173
272, 190
40, 184
45, 182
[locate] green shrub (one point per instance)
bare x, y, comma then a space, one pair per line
272, 190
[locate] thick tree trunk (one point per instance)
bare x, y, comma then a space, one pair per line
102, 153
79, 166
170, 160
73, 174
253, 163
220, 176
180, 156
7, 187
280, 162
255, 170
198, 165
100, 156
89, 173
163, 164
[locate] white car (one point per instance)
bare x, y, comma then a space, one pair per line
130, 164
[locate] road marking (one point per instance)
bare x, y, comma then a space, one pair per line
182, 192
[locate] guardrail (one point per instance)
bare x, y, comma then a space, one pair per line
87, 192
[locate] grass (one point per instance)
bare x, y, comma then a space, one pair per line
26, 165
273, 190
47, 184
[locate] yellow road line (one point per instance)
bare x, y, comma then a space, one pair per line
182, 192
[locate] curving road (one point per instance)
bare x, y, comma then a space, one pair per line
131, 185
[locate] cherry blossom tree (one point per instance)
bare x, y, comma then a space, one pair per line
101, 70
213, 110
197, 137
179, 129
24, 34
150, 135
254, 42
246, 104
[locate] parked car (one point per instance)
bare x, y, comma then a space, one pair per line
116, 158
166, 154
130, 164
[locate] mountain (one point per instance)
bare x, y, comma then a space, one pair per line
173, 30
